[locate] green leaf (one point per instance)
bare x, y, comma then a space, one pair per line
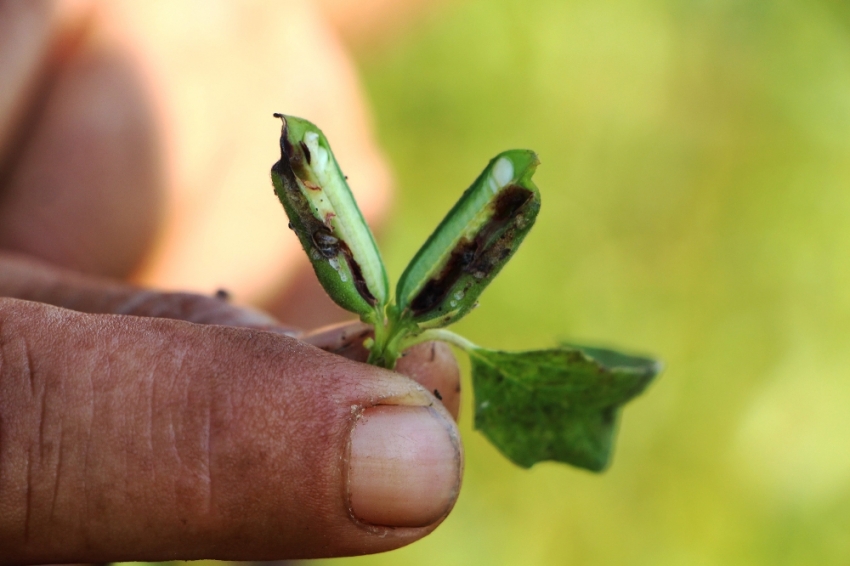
560, 404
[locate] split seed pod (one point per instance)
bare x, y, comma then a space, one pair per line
324, 215
472, 243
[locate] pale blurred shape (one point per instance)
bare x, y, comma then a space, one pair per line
794, 441
377, 23
221, 69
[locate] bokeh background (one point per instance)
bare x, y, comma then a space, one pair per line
696, 195
696, 205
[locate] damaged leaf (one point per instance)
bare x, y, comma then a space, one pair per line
560, 404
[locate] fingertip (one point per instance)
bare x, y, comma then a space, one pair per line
344, 339
404, 466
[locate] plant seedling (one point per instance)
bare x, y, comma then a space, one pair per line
557, 404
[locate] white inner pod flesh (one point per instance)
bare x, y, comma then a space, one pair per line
503, 172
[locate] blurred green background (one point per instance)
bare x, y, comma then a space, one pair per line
696, 205
696, 194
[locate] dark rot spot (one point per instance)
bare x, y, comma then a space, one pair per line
327, 244
294, 157
360, 281
509, 201
357, 274
480, 257
288, 151
306, 151
435, 290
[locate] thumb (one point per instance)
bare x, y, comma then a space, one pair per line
126, 438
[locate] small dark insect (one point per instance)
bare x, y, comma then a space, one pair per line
290, 226
437, 395
222, 295
326, 243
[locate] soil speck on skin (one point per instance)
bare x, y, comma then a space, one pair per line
222, 295
437, 394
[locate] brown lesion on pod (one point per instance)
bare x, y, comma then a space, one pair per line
320, 237
296, 157
357, 274
480, 255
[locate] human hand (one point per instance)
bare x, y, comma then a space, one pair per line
138, 425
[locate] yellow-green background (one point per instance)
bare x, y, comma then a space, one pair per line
696, 205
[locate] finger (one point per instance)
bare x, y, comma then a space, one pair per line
344, 339
431, 364
85, 187
33, 280
304, 303
33, 38
377, 23
150, 439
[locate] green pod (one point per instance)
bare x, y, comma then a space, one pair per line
324, 215
472, 243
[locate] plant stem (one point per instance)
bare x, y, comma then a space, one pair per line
389, 333
442, 335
